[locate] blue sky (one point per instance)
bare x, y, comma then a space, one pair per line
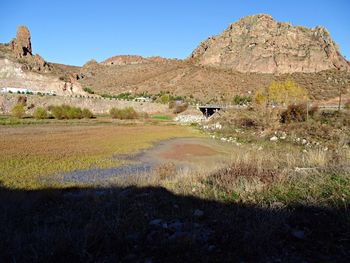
72, 32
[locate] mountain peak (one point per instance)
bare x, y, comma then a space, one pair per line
258, 43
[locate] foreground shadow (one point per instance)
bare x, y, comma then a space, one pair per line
154, 225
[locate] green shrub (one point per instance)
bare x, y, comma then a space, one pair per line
241, 100
164, 99
123, 114
70, 112
87, 114
88, 90
40, 113
56, 112
67, 112
18, 111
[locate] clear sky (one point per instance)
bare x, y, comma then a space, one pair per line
72, 32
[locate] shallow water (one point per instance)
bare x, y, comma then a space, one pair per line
185, 153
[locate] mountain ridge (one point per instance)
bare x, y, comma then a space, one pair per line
200, 75
260, 44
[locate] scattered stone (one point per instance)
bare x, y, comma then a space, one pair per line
277, 205
155, 222
274, 138
190, 118
198, 213
300, 234
283, 136
218, 126
176, 226
304, 141
211, 248
179, 235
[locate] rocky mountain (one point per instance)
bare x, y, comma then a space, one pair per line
248, 55
260, 44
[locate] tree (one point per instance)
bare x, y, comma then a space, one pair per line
281, 93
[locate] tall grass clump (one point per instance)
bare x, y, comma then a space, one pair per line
18, 110
40, 113
87, 114
69, 112
123, 114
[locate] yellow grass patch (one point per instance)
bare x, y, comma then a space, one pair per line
29, 153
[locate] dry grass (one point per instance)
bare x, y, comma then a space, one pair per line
28, 153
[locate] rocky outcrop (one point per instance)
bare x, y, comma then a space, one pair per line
260, 44
21, 45
21, 48
132, 60
12, 74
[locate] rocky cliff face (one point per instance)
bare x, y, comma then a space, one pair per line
19, 68
260, 44
21, 45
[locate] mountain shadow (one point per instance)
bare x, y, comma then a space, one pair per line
154, 225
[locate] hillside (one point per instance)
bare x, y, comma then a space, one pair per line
248, 55
204, 83
19, 68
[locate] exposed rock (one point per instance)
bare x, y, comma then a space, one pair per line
91, 63
258, 43
132, 60
39, 63
198, 213
155, 222
274, 139
21, 45
299, 234
16, 75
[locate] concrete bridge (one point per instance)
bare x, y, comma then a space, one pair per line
209, 110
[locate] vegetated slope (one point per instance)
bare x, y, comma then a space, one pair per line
248, 55
204, 83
